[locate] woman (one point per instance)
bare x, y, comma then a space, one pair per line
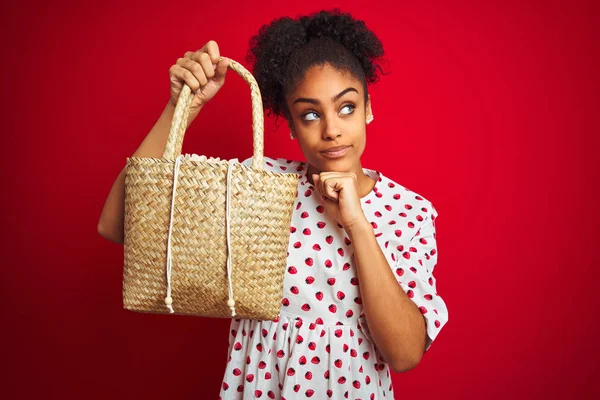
359, 294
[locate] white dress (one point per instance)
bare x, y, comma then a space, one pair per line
319, 346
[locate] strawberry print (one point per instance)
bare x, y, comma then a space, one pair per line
319, 346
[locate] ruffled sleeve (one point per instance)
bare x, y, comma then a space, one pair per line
413, 267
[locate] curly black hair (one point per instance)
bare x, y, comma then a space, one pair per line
285, 49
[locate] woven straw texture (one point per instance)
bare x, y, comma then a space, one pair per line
260, 203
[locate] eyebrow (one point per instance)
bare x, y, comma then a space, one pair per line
317, 102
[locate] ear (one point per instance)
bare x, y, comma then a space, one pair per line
369, 111
292, 133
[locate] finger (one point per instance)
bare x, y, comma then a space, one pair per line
316, 181
207, 65
331, 193
212, 48
337, 174
330, 187
324, 189
221, 70
195, 68
184, 75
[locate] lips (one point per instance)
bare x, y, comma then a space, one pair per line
336, 152
334, 149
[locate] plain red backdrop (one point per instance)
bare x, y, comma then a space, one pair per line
490, 111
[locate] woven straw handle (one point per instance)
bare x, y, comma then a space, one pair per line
182, 110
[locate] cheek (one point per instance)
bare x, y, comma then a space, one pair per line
360, 138
308, 149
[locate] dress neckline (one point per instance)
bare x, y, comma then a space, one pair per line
373, 174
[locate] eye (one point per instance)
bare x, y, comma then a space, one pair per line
308, 115
348, 107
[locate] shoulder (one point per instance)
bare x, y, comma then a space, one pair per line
404, 202
281, 165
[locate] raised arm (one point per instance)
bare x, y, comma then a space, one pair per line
205, 75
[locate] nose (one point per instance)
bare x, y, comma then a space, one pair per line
330, 130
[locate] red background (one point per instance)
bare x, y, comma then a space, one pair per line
491, 112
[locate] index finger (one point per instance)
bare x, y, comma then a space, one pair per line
212, 48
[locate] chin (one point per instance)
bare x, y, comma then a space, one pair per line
337, 165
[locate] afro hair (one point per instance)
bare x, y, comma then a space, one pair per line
282, 51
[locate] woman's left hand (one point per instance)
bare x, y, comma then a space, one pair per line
339, 195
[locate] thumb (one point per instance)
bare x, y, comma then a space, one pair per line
221, 71
316, 180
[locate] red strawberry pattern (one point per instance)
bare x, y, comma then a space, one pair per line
320, 344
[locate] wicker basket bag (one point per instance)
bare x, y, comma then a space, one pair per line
206, 237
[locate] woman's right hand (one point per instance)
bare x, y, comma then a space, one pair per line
202, 72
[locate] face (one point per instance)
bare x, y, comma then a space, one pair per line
328, 110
